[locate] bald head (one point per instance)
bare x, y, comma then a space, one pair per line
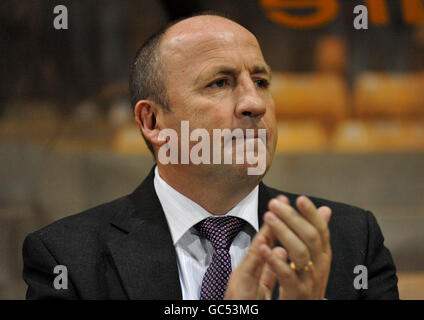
200, 27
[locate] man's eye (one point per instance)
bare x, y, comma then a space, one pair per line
219, 83
262, 83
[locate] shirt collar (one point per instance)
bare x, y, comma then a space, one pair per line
183, 213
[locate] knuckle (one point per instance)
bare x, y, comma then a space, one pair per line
302, 254
312, 235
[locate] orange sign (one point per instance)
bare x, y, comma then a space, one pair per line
327, 10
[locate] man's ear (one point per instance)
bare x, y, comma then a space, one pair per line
145, 113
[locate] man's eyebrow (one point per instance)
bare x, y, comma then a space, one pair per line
212, 72
228, 70
223, 70
262, 69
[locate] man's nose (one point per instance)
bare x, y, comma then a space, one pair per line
249, 102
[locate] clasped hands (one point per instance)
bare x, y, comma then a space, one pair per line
306, 240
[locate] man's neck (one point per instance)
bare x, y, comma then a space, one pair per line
216, 193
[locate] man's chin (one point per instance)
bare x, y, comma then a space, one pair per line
240, 173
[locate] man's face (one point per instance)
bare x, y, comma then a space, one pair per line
216, 78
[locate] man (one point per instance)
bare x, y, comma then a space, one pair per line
166, 239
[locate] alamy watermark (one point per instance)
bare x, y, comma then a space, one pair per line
361, 280
250, 147
361, 20
61, 20
61, 280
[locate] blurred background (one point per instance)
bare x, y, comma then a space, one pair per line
350, 105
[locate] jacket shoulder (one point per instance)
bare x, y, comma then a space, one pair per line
90, 221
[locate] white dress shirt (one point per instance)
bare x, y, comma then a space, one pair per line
194, 253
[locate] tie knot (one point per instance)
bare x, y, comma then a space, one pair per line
220, 231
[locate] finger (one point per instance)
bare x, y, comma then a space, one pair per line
277, 262
325, 212
268, 278
253, 263
283, 199
280, 252
268, 234
309, 211
296, 248
266, 283
307, 233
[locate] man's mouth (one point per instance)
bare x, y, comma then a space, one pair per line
246, 134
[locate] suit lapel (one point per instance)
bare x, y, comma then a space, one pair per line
264, 198
144, 254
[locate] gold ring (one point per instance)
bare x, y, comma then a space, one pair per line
305, 268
